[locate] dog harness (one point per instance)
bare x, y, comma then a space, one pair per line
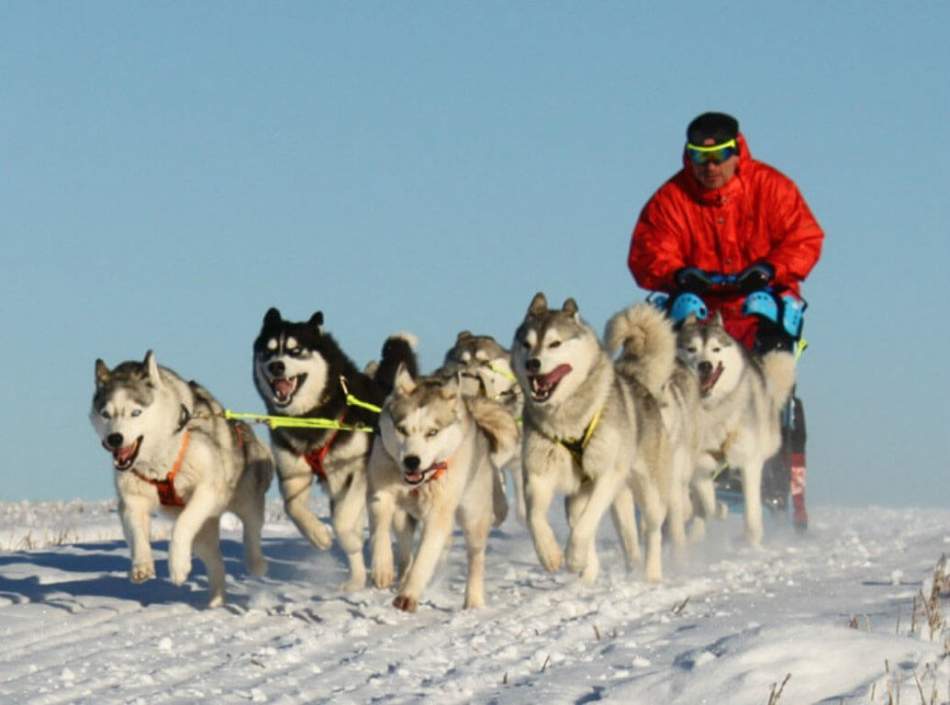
166, 488
316, 456
576, 446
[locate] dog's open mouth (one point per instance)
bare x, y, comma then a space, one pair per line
124, 458
708, 381
417, 477
284, 388
543, 386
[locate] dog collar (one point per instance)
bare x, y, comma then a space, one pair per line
166, 488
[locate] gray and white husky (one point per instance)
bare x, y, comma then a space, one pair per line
652, 360
434, 463
741, 396
592, 434
484, 369
300, 371
173, 449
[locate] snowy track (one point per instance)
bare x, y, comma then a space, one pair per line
723, 628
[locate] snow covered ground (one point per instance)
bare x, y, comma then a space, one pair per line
833, 610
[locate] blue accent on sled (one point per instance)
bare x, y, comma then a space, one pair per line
687, 304
787, 310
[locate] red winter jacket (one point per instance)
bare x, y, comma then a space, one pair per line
758, 215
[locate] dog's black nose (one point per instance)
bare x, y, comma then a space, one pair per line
114, 440
411, 462
276, 368
705, 367
533, 365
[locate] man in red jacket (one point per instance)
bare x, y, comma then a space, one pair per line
726, 217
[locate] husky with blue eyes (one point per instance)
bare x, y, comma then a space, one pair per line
172, 449
301, 371
435, 462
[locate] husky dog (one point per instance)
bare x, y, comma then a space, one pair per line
484, 369
298, 370
434, 462
647, 343
741, 396
172, 448
591, 433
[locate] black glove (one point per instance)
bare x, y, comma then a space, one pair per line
692, 279
756, 276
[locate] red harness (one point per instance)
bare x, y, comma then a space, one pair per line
316, 456
166, 488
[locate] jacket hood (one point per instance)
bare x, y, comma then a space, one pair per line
715, 196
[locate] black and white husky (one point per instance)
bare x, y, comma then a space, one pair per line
300, 371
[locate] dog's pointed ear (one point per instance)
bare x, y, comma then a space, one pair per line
463, 335
102, 373
717, 319
539, 305
316, 321
450, 388
272, 318
152, 367
570, 306
403, 382
690, 320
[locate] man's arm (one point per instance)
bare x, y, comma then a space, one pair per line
795, 253
656, 252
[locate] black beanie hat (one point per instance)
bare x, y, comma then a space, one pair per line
716, 126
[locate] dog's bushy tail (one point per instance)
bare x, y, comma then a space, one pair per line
399, 349
499, 425
647, 344
779, 370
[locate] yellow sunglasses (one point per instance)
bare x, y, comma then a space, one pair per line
716, 153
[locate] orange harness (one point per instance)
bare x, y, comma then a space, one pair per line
166, 488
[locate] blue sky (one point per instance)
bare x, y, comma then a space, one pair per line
170, 170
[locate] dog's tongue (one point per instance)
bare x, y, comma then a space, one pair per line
284, 387
122, 455
555, 375
709, 381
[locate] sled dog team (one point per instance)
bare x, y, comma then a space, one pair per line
641, 421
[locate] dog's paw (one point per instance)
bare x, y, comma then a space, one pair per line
216, 600
141, 572
577, 553
551, 558
354, 584
406, 603
179, 566
320, 536
383, 575
474, 602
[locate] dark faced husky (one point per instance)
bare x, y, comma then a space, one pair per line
589, 433
741, 396
172, 448
298, 370
434, 463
